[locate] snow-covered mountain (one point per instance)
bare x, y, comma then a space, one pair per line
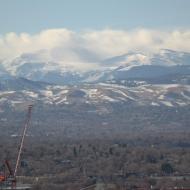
29, 66
131, 65
164, 57
130, 78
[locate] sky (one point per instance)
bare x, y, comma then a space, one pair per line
86, 30
32, 16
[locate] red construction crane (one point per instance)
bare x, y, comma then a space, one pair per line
7, 176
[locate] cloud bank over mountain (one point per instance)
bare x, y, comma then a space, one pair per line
63, 45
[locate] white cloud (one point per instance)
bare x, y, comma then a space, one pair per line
64, 45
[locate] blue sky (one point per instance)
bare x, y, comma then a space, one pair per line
32, 16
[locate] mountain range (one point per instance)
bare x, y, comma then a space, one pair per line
133, 81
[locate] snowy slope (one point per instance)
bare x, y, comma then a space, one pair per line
98, 94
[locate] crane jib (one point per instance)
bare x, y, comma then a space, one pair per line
26, 125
